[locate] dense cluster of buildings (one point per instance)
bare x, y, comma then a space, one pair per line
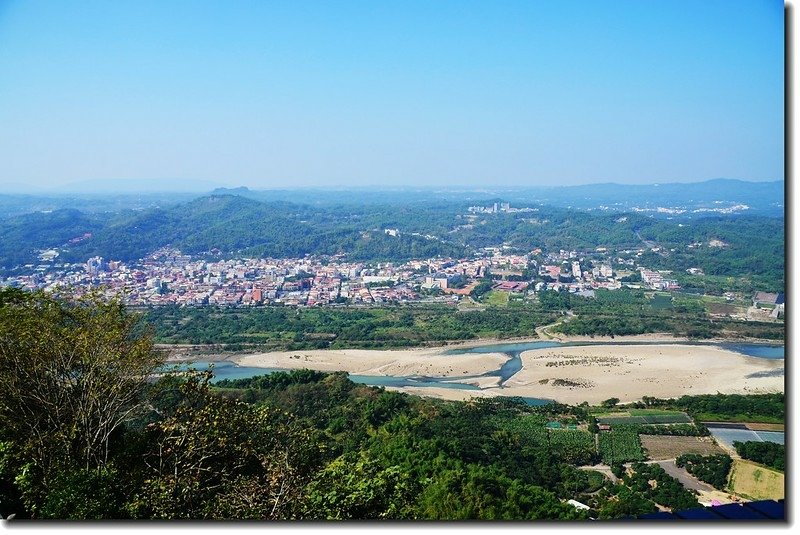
497, 208
168, 276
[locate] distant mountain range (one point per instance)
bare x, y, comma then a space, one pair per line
765, 198
718, 195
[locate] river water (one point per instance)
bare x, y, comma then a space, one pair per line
228, 370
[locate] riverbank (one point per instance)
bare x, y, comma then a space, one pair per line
218, 353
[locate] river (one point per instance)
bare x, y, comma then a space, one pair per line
229, 370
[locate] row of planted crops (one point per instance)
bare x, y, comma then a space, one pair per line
620, 444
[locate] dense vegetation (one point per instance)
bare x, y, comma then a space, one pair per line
739, 255
87, 434
768, 408
628, 312
766, 453
681, 430
413, 325
658, 486
285, 328
713, 469
304, 445
620, 445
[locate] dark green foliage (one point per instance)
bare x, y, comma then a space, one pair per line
219, 458
482, 288
73, 376
683, 430
242, 225
280, 328
82, 494
276, 380
627, 312
610, 402
625, 503
23, 235
571, 446
356, 486
735, 407
618, 469
621, 444
654, 483
766, 453
293, 445
755, 245
238, 225
475, 492
713, 469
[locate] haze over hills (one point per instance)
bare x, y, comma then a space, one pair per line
764, 197
685, 199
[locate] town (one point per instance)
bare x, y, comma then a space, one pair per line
169, 277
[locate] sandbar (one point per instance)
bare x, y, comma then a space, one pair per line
428, 362
629, 372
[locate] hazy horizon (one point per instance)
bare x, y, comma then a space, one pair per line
131, 186
395, 94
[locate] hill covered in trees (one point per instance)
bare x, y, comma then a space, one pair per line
239, 225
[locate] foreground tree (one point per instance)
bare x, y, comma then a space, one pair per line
72, 372
218, 458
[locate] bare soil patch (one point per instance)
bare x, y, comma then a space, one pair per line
661, 447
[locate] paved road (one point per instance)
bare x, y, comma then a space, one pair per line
603, 469
686, 479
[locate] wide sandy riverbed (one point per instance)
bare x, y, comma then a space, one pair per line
628, 372
570, 374
428, 362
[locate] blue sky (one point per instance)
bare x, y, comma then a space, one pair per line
338, 93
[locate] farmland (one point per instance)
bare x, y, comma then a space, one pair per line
661, 301
756, 482
660, 447
573, 446
621, 444
496, 298
643, 416
570, 445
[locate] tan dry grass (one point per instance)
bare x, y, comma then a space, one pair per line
756, 482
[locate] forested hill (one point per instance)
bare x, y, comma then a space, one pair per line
241, 226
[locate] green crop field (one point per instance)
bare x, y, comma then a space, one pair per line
496, 298
576, 447
643, 416
620, 445
661, 302
573, 446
